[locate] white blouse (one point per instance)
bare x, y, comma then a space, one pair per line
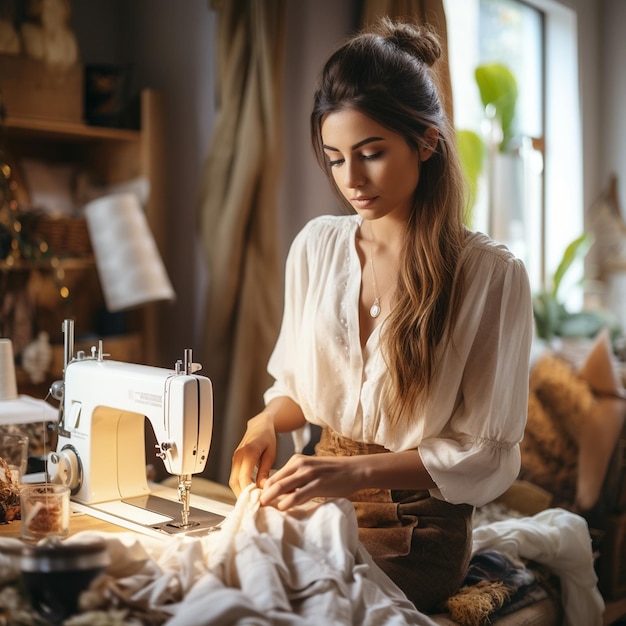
469, 428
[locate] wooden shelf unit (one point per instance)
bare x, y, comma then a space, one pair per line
110, 156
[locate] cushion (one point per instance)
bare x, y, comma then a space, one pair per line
600, 432
575, 417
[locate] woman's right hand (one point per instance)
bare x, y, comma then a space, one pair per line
257, 449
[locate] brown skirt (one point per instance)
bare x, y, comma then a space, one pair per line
422, 543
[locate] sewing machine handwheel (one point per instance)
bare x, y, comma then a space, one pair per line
65, 467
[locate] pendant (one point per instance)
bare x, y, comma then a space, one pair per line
375, 308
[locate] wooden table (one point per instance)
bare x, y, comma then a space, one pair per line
208, 494
78, 522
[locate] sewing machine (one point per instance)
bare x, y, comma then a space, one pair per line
100, 452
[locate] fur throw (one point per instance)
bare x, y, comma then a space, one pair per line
559, 401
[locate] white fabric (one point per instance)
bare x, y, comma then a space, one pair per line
468, 430
306, 567
559, 540
264, 567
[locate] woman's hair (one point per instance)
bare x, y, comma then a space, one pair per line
385, 73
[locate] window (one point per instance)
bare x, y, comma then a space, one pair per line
530, 191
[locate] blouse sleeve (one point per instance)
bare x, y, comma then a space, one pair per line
476, 455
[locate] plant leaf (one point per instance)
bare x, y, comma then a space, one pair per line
575, 250
547, 313
498, 86
471, 152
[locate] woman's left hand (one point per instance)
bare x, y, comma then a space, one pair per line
305, 477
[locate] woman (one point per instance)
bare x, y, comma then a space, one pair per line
405, 336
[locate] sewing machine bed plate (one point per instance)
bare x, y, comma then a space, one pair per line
171, 511
163, 513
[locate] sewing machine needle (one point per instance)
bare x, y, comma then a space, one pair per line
184, 495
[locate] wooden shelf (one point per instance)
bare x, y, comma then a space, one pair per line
65, 263
66, 131
108, 157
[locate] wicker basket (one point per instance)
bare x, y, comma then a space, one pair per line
67, 236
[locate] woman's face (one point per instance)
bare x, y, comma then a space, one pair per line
374, 168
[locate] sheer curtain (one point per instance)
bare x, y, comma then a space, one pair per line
424, 11
239, 220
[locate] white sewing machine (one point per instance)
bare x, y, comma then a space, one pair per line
100, 453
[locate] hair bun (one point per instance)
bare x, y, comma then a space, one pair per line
418, 40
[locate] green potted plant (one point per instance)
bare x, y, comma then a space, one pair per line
553, 319
497, 87
498, 93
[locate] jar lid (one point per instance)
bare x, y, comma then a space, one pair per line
56, 556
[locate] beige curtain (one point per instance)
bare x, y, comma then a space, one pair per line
424, 11
239, 218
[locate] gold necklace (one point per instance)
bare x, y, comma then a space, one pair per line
375, 309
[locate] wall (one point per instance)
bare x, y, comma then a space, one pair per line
602, 52
590, 63
305, 192
612, 139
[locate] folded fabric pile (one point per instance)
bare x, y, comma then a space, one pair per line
494, 585
560, 541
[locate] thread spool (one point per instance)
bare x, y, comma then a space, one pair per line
8, 383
